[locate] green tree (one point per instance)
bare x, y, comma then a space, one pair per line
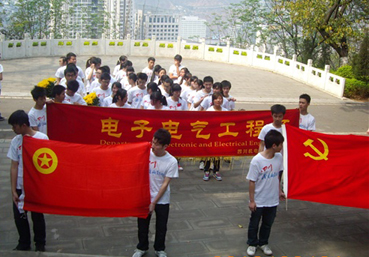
360, 64
58, 17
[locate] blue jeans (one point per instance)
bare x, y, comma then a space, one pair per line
267, 214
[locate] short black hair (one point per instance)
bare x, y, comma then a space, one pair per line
126, 64
73, 85
142, 76
70, 69
38, 92
217, 85
104, 68
122, 93
133, 76
151, 59
215, 96
105, 76
273, 137
226, 83
306, 97
117, 84
153, 86
70, 55
278, 108
162, 136
178, 57
57, 90
19, 117
168, 80
175, 87
208, 79
130, 69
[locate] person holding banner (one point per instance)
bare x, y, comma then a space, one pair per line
163, 167
20, 124
264, 192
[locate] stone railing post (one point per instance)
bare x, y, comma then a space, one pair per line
325, 76
179, 45
292, 66
275, 57
251, 62
203, 47
228, 50
27, 43
129, 43
308, 70
79, 43
103, 43
153, 46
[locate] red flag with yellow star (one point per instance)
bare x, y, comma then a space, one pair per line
324, 168
86, 180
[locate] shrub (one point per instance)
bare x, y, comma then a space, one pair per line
280, 61
43, 43
345, 71
360, 62
120, 44
19, 44
219, 50
69, 43
10, 45
244, 53
137, 44
170, 46
267, 58
187, 47
287, 63
145, 44
211, 49
95, 43
86, 43
259, 56
195, 47
236, 52
35, 44
162, 45
60, 43
356, 89
111, 43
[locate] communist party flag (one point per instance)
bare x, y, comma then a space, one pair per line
331, 169
86, 180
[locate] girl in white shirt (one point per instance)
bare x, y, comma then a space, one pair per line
109, 100
120, 99
158, 101
175, 102
146, 102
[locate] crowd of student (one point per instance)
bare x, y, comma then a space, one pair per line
154, 89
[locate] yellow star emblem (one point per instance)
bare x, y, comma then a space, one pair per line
45, 160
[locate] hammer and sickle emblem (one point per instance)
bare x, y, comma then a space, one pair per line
321, 156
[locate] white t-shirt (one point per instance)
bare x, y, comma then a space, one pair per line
120, 75
126, 105
181, 105
231, 104
207, 102
159, 168
211, 109
148, 73
307, 122
60, 72
198, 96
37, 118
152, 107
93, 77
107, 101
116, 69
94, 85
266, 129
264, 172
125, 83
191, 98
186, 92
146, 102
1, 71
15, 154
163, 92
81, 89
173, 70
101, 94
77, 98
135, 96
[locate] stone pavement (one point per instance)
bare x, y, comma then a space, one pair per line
206, 219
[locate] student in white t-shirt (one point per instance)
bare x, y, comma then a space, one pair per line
37, 114
149, 70
166, 85
71, 94
207, 102
307, 121
162, 168
182, 79
226, 87
146, 102
103, 90
125, 80
90, 72
136, 94
120, 99
264, 192
71, 58
109, 100
175, 68
158, 101
132, 81
159, 78
20, 124
122, 72
188, 87
70, 74
174, 101
278, 112
206, 91
198, 86
121, 60
58, 94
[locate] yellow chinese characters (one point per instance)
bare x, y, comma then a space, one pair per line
141, 126
172, 128
253, 127
199, 127
228, 133
111, 127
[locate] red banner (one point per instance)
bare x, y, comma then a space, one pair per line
331, 169
86, 180
193, 133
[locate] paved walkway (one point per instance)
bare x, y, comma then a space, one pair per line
207, 219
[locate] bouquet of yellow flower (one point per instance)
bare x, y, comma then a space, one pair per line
48, 84
92, 99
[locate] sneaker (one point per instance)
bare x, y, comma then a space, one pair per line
251, 250
206, 176
22, 248
211, 166
139, 253
202, 165
217, 176
180, 168
266, 250
160, 253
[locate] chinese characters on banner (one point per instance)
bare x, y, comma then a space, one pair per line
194, 134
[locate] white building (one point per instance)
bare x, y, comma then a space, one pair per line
121, 18
192, 28
163, 26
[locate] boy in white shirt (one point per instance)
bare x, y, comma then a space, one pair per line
121, 60
226, 87
175, 68
208, 102
37, 114
307, 121
72, 96
70, 74
163, 167
150, 68
91, 71
278, 112
103, 90
20, 123
136, 94
264, 192
206, 91
71, 58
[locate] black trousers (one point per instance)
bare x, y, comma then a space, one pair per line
21, 222
162, 214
